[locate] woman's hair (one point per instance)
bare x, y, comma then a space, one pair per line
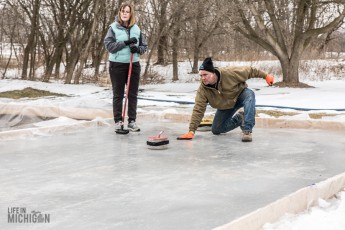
132, 19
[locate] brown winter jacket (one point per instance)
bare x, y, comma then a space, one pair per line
232, 82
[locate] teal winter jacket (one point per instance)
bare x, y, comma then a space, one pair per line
114, 42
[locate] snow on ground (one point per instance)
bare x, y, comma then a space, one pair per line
57, 121
329, 215
326, 97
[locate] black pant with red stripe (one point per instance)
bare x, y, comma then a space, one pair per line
119, 75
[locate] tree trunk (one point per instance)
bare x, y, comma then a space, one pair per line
51, 64
70, 67
9, 58
161, 50
163, 39
175, 65
290, 70
72, 61
175, 49
32, 65
25, 62
31, 46
57, 66
293, 66
196, 53
56, 59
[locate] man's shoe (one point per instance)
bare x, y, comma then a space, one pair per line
247, 136
132, 126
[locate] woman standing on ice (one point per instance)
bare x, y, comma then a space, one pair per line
123, 39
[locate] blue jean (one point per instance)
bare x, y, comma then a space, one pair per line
225, 121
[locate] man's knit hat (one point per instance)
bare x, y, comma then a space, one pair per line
207, 65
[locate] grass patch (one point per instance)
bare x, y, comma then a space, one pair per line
275, 113
320, 115
29, 93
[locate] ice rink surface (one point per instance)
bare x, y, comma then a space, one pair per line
97, 179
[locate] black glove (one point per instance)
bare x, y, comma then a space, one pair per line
134, 49
131, 41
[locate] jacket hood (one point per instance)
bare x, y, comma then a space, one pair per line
116, 20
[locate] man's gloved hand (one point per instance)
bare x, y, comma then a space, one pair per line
269, 79
187, 136
134, 49
131, 41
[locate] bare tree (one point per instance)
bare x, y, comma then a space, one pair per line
86, 50
31, 8
148, 14
167, 35
207, 17
287, 28
178, 20
55, 35
6, 34
108, 10
163, 33
78, 42
70, 34
68, 18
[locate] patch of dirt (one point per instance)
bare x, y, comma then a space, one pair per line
29, 93
292, 85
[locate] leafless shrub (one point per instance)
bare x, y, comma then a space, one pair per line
321, 70
152, 77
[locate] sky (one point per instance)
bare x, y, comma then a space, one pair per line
327, 96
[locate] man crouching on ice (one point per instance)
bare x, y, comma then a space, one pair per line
225, 89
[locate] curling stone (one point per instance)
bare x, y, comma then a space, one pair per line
158, 142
